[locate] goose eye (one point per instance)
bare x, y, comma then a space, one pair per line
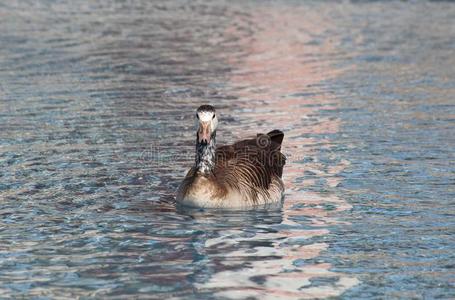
213, 116
197, 116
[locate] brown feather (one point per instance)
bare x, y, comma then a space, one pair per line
250, 165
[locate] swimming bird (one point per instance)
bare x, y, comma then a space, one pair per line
245, 174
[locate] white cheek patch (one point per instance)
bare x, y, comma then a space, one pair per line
205, 116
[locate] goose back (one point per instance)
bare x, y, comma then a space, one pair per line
251, 166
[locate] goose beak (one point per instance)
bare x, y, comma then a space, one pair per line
204, 132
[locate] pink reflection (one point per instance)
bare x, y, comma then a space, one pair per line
278, 80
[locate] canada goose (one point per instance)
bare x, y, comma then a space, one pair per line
247, 173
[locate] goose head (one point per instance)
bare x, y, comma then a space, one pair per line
207, 121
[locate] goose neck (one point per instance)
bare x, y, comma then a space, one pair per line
205, 155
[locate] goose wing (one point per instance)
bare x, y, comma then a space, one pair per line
251, 163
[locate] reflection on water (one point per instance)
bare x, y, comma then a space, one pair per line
272, 79
97, 104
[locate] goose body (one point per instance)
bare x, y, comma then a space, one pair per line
244, 174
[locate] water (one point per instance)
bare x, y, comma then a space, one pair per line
97, 130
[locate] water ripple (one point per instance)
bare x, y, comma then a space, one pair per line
97, 129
